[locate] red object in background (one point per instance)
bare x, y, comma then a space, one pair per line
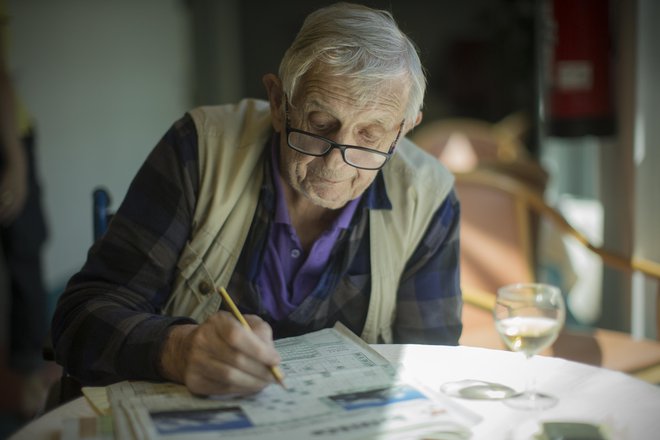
581, 91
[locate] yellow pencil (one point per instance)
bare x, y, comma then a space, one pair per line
277, 373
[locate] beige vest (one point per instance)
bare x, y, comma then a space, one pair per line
231, 155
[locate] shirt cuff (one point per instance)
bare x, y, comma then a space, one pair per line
140, 356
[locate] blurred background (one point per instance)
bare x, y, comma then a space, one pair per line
104, 80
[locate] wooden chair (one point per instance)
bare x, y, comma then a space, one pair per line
498, 248
465, 144
498, 142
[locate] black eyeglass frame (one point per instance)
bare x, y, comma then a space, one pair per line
341, 147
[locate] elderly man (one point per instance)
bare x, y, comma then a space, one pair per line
310, 208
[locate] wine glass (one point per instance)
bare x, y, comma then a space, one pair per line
528, 318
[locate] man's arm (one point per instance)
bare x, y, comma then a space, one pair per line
107, 325
429, 302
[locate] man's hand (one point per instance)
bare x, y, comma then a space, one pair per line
220, 356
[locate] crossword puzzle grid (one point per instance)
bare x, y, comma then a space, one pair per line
306, 396
327, 365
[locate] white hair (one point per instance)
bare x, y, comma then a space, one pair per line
363, 46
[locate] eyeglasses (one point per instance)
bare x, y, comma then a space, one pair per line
314, 145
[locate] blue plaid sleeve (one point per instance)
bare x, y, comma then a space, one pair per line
107, 325
429, 300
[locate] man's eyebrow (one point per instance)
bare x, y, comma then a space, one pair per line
314, 104
378, 121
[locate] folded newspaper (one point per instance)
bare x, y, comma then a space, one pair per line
337, 388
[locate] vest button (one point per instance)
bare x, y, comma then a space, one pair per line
204, 287
187, 261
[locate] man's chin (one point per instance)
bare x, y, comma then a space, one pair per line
329, 204
323, 196
327, 201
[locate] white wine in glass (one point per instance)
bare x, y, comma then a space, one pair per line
528, 318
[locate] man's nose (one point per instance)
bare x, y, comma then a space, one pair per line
334, 158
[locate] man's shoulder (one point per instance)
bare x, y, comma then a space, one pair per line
210, 118
415, 164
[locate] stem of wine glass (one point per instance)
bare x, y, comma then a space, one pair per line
530, 377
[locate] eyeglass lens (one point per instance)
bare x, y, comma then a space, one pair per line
312, 145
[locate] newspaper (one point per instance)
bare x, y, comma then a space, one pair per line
88, 428
337, 388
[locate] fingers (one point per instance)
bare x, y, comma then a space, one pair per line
262, 330
257, 346
224, 357
216, 377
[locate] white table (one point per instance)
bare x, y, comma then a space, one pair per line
586, 393
629, 406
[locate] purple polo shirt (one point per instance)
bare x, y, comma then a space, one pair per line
289, 275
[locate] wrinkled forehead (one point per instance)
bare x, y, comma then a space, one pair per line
381, 102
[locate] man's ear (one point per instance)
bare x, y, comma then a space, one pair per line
419, 118
417, 121
275, 97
